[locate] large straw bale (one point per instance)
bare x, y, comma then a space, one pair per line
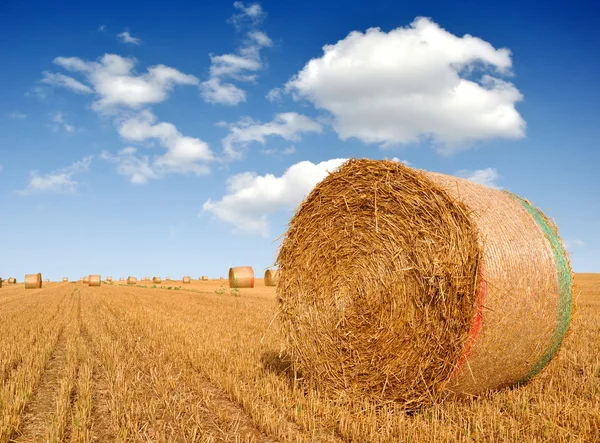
401, 285
94, 280
33, 281
131, 280
12, 280
187, 279
156, 280
271, 277
241, 277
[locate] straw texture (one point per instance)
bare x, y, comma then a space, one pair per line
271, 277
241, 277
401, 285
94, 280
33, 281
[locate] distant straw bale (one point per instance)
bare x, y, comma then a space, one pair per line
65, 279
397, 284
121, 279
86, 280
131, 280
271, 277
109, 279
12, 280
168, 278
187, 279
241, 277
94, 280
204, 277
33, 281
156, 280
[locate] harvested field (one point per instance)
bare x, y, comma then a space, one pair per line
201, 362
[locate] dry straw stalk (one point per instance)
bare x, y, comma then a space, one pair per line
241, 277
33, 281
402, 285
271, 277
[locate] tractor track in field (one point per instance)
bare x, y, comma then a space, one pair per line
239, 426
41, 408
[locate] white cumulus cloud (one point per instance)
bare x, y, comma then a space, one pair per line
288, 125
487, 177
183, 154
60, 181
412, 84
251, 198
115, 84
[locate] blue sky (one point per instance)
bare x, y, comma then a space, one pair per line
177, 140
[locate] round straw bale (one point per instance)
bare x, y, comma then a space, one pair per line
204, 277
131, 280
156, 280
86, 280
94, 280
65, 279
403, 285
33, 281
12, 280
271, 277
47, 280
1, 282
109, 278
241, 277
121, 279
187, 279
168, 278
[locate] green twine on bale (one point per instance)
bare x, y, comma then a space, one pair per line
565, 288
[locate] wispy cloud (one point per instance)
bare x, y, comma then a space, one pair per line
573, 244
487, 177
17, 115
241, 66
126, 37
102, 28
60, 182
59, 122
288, 125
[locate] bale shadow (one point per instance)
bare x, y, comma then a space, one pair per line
280, 365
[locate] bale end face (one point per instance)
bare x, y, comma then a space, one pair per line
33, 281
271, 277
241, 277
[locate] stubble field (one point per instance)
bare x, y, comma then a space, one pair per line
202, 363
